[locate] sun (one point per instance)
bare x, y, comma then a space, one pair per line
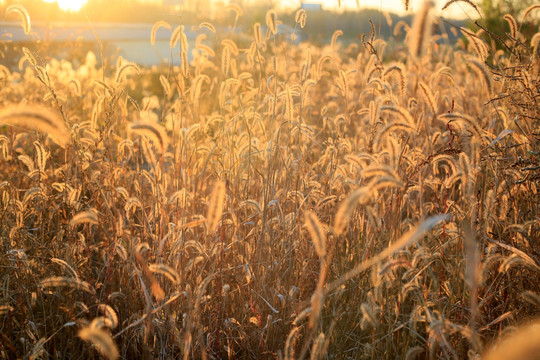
69, 5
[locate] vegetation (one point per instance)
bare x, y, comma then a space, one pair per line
277, 200
494, 11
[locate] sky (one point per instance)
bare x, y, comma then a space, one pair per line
456, 10
71, 5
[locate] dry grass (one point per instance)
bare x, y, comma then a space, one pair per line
274, 201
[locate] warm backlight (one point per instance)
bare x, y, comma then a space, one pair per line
69, 5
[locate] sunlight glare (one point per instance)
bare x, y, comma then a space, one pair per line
69, 5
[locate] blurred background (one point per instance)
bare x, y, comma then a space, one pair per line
71, 28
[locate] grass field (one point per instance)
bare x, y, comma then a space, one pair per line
274, 200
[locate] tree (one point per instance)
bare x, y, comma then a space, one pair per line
493, 12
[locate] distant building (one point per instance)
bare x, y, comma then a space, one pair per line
311, 6
196, 5
172, 2
209, 7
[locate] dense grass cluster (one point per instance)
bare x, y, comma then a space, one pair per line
272, 200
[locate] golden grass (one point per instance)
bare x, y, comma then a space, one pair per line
22, 14
266, 199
